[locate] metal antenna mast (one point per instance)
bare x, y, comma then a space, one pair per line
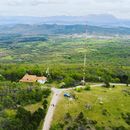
84, 69
84, 62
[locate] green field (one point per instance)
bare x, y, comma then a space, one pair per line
115, 103
63, 49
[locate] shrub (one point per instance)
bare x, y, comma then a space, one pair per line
67, 118
78, 89
126, 118
1, 78
69, 82
45, 102
58, 126
87, 88
62, 85
106, 84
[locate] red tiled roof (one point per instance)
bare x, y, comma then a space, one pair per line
32, 78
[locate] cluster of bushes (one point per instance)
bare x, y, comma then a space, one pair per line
86, 88
24, 120
126, 117
15, 94
73, 123
79, 122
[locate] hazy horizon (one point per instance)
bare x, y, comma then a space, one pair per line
46, 8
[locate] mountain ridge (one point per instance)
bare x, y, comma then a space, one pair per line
52, 29
106, 20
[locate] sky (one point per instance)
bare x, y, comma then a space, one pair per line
118, 8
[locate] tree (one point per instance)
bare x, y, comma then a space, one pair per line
45, 102
37, 117
11, 124
80, 118
106, 84
67, 118
1, 78
69, 82
106, 81
8, 102
124, 78
24, 116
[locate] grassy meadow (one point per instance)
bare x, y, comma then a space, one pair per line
115, 102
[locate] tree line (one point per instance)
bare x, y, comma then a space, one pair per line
67, 75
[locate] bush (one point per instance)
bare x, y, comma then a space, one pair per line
126, 117
69, 82
87, 88
44, 104
58, 126
78, 89
1, 78
62, 85
106, 84
24, 120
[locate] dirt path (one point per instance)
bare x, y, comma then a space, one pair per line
49, 115
55, 99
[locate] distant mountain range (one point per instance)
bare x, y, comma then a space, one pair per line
92, 24
104, 20
51, 29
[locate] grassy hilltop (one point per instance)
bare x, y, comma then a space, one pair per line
105, 107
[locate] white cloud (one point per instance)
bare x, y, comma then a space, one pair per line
119, 8
30, 2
